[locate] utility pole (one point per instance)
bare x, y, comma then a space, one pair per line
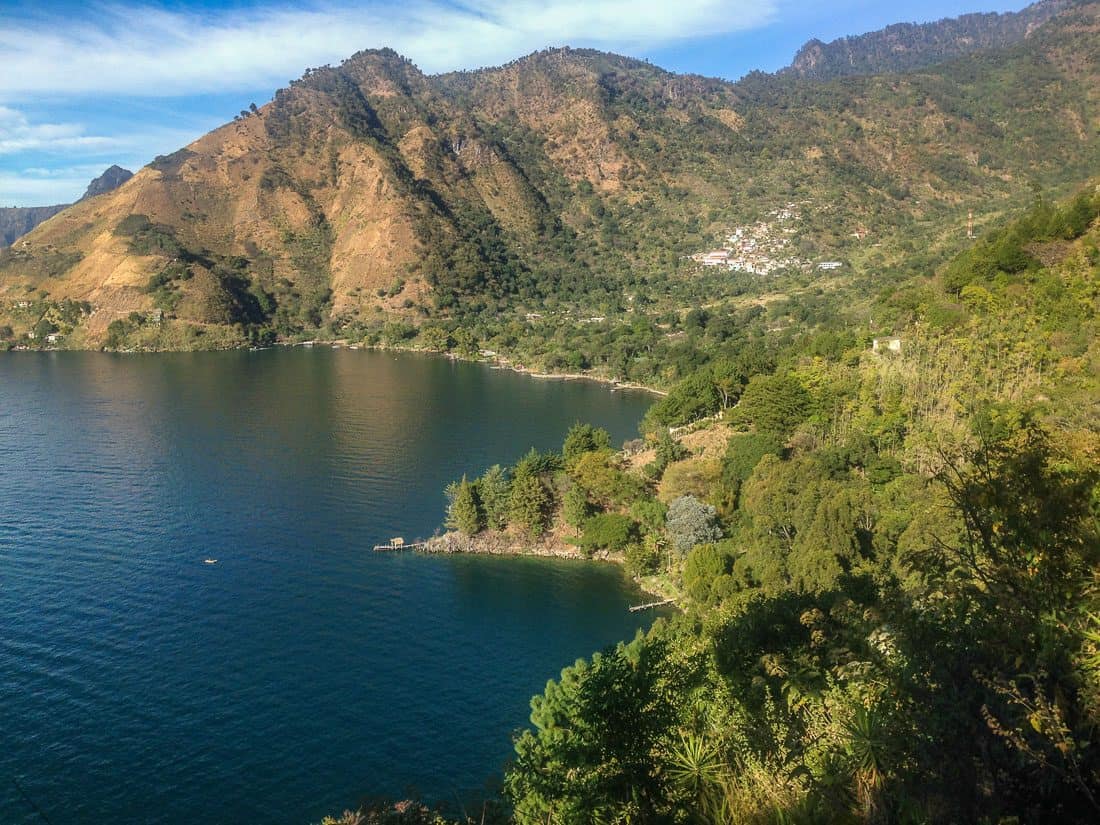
970, 225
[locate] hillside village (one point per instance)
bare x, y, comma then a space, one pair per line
764, 247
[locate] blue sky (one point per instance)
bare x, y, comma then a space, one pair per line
87, 84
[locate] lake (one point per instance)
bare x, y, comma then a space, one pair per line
301, 672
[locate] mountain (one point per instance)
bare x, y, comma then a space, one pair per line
16, 221
112, 178
568, 181
909, 46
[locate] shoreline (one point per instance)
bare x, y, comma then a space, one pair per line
507, 545
494, 361
501, 363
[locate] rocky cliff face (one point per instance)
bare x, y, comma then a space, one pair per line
19, 220
371, 190
112, 178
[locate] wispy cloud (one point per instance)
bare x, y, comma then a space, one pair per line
45, 186
18, 134
145, 50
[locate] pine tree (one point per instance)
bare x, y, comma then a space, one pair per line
575, 507
529, 502
464, 513
584, 438
495, 489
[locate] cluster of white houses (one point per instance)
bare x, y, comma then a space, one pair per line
760, 248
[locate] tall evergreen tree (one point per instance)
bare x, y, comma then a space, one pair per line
529, 502
495, 489
465, 513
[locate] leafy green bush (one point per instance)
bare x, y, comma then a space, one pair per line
608, 531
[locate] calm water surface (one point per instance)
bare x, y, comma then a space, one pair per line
302, 671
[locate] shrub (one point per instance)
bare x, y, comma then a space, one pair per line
608, 531
704, 566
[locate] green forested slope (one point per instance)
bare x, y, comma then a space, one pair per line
888, 574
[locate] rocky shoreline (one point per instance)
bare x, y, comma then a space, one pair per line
517, 544
506, 544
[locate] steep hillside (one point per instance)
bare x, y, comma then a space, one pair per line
568, 181
909, 46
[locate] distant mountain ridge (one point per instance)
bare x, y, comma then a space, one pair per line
911, 46
16, 221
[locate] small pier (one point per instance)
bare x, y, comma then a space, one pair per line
398, 544
650, 605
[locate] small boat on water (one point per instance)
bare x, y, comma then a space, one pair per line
209, 561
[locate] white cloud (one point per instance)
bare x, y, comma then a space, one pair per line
78, 156
18, 134
27, 188
142, 50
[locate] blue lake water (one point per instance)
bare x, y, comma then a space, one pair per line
301, 672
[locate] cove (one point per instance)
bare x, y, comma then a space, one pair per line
301, 671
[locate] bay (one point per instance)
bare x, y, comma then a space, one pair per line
301, 671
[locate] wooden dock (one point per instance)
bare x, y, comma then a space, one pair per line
649, 606
396, 546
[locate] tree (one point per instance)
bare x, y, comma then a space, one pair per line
495, 489
529, 502
466, 343
649, 513
436, 338
703, 566
589, 757
44, 328
690, 522
743, 453
576, 509
464, 512
693, 398
728, 380
1031, 536
606, 484
584, 438
774, 404
608, 531
116, 334
669, 449
537, 463
643, 558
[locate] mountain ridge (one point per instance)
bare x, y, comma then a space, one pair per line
913, 46
567, 178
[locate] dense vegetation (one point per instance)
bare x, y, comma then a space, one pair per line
887, 569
